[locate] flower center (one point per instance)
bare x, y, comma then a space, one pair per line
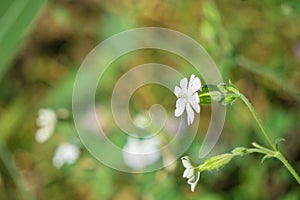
185, 98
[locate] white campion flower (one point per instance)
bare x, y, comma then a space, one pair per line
190, 172
139, 153
46, 122
188, 98
65, 154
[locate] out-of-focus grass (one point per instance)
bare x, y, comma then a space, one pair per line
16, 17
253, 43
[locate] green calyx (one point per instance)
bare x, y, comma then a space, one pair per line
221, 93
221, 160
216, 162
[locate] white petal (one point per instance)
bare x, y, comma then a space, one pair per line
195, 98
185, 173
190, 114
194, 85
194, 101
198, 176
196, 107
192, 79
186, 162
194, 184
180, 103
183, 84
178, 111
177, 91
190, 173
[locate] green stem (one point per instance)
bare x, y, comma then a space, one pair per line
278, 155
288, 166
253, 112
267, 151
254, 150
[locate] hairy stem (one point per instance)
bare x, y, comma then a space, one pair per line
288, 166
257, 119
278, 155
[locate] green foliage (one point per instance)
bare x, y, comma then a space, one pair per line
16, 17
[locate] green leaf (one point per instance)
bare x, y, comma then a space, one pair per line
16, 17
265, 158
277, 141
232, 85
223, 88
6, 159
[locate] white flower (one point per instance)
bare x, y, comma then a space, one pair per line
139, 153
65, 154
188, 98
190, 172
46, 122
142, 121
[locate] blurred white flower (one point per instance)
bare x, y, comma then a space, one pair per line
142, 121
46, 122
65, 154
188, 98
190, 172
138, 153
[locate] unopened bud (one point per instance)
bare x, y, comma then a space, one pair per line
216, 162
210, 94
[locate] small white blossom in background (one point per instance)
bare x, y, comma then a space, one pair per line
65, 154
142, 121
188, 98
46, 122
190, 172
139, 153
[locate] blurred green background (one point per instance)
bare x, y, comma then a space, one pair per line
256, 44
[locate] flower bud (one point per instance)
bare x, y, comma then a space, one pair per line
221, 93
216, 162
210, 94
230, 99
239, 151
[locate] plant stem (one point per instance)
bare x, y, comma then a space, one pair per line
256, 117
266, 150
288, 166
254, 150
278, 155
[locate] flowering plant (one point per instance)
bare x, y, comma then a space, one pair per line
65, 153
190, 95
